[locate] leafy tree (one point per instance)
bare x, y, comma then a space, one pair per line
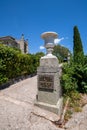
61, 52
74, 75
78, 54
39, 54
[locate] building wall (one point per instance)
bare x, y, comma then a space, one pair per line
9, 41
21, 44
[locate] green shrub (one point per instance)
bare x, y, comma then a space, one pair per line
69, 83
74, 78
13, 63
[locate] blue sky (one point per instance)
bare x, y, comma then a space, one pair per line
33, 17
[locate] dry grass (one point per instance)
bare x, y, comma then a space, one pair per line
76, 103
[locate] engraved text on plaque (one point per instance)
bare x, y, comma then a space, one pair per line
45, 82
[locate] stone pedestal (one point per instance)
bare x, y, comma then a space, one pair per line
49, 95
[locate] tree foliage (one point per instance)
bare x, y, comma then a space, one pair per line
74, 77
78, 53
61, 52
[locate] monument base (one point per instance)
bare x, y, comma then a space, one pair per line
57, 109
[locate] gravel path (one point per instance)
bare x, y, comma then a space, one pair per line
17, 110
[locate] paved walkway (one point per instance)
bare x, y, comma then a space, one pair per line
16, 104
17, 110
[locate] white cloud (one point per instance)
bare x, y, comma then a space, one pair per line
56, 41
42, 47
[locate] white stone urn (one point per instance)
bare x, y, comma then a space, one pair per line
49, 38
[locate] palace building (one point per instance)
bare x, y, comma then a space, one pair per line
21, 44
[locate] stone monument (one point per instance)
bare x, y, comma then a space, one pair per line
49, 95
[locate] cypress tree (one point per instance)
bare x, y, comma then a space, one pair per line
78, 54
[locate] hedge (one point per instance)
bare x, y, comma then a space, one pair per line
13, 63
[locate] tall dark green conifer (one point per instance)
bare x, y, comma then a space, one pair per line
78, 53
